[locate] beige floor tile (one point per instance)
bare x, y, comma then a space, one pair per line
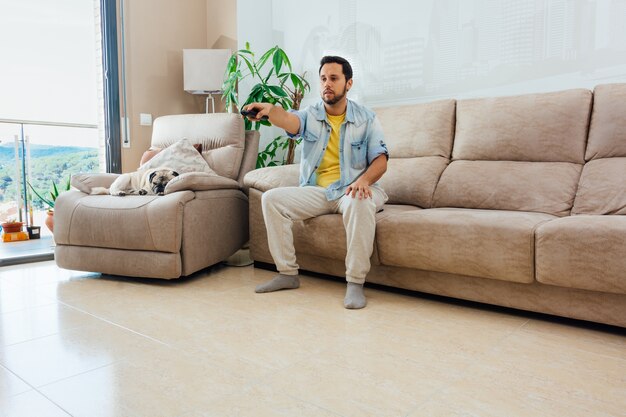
70, 352
498, 403
30, 404
260, 401
438, 352
40, 273
81, 287
268, 341
15, 297
443, 312
358, 384
164, 382
588, 339
529, 373
208, 345
32, 323
10, 384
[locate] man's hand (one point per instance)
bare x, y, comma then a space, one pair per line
360, 188
262, 109
277, 116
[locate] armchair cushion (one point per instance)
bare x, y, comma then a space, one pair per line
180, 156
221, 135
152, 152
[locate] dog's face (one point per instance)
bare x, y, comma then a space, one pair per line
158, 179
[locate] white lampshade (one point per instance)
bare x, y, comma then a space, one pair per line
203, 69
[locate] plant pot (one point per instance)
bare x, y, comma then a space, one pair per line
50, 220
34, 232
12, 227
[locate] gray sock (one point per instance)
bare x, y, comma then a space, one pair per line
354, 296
279, 282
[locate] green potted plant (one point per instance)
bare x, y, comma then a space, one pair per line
276, 84
50, 199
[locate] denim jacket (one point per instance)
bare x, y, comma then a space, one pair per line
361, 140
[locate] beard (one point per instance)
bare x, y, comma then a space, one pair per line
336, 98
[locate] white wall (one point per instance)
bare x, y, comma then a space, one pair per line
408, 51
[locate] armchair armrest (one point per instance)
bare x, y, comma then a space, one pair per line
264, 179
86, 181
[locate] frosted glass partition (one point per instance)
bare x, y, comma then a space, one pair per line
410, 51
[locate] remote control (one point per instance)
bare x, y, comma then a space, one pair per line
252, 113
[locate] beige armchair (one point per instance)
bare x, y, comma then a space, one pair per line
202, 223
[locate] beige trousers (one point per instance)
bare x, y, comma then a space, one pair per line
282, 206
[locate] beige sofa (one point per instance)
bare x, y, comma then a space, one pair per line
514, 201
169, 236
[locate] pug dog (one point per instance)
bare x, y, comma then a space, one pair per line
151, 181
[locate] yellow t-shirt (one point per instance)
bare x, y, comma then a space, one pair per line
329, 169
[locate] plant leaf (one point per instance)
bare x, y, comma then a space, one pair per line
45, 200
296, 82
248, 64
285, 58
232, 64
277, 60
277, 91
265, 57
269, 74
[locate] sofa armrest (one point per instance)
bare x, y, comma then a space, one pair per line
86, 181
200, 181
264, 179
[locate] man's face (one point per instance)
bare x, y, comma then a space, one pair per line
333, 85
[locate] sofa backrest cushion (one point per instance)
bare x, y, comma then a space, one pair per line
221, 135
547, 187
419, 140
546, 127
607, 134
602, 188
517, 153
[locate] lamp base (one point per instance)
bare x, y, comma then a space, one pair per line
206, 103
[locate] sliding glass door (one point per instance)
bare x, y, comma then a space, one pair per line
51, 111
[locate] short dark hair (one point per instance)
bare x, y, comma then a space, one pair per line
345, 65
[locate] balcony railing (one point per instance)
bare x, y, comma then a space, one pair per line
22, 150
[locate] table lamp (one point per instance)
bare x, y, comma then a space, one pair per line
203, 72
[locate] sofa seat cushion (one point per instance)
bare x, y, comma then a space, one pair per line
585, 252
482, 243
324, 235
150, 223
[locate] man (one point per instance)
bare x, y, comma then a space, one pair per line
343, 155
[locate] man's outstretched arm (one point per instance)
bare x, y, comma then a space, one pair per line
277, 116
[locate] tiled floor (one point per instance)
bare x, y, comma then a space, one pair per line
81, 344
